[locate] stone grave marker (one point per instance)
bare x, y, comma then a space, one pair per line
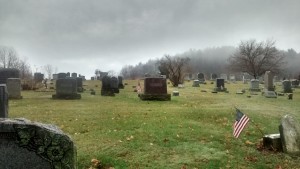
155, 88
290, 135
254, 85
213, 76
68, 74
29, 145
196, 83
6, 73
38, 77
223, 76
121, 86
106, 89
54, 76
295, 83
114, 84
201, 77
220, 85
287, 86
232, 77
61, 75
79, 84
66, 89
3, 101
269, 86
14, 88
74, 75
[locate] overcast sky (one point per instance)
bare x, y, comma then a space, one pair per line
84, 35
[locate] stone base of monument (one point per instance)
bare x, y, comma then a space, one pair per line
272, 142
162, 97
220, 89
255, 90
66, 96
175, 93
270, 94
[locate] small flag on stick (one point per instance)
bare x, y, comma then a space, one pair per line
240, 123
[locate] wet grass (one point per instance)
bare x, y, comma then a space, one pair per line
193, 130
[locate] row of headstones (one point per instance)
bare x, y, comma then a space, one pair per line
111, 85
67, 75
213, 76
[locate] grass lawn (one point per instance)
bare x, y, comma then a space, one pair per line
193, 130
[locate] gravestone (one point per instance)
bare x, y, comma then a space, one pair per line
201, 77
196, 83
106, 89
6, 73
254, 85
38, 77
223, 76
175, 93
290, 135
3, 101
54, 76
14, 88
28, 145
213, 76
155, 88
114, 84
68, 74
220, 85
66, 89
232, 77
287, 86
121, 86
92, 78
74, 75
79, 84
269, 86
295, 83
61, 75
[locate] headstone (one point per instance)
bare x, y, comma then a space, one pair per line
270, 94
290, 135
61, 75
254, 85
102, 74
92, 78
38, 77
287, 86
175, 93
74, 75
66, 89
106, 89
155, 88
269, 81
220, 85
3, 101
28, 145
6, 73
68, 74
120, 79
295, 83
79, 84
196, 83
201, 77
232, 77
213, 76
223, 76
14, 88
114, 84
55, 76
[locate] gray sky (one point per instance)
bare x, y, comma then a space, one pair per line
83, 35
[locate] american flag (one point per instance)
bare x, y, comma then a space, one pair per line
240, 123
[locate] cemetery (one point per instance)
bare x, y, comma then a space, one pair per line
125, 131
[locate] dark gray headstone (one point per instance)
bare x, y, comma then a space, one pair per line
28, 145
66, 89
3, 101
14, 88
74, 74
213, 76
68, 74
196, 83
55, 76
106, 89
155, 88
254, 85
114, 83
121, 86
38, 77
79, 84
220, 85
295, 83
287, 86
61, 75
290, 135
6, 73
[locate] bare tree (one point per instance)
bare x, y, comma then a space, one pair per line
8, 57
255, 58
49, 70
174, 67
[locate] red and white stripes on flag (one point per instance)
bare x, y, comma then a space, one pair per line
240, 123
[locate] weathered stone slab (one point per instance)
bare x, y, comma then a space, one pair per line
28, 145
287, 86
290, 135
106, 89
6, 73
196, 83
114, 84
155, 88
270, 94
254, 85
14, 88
121, 86
269, 81
66, 89
3, 101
